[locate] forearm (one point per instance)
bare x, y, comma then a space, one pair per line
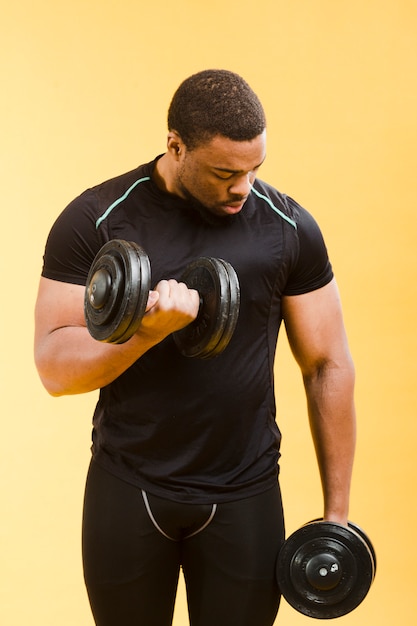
333, 426
70, 361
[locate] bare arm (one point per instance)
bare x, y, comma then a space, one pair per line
70, 361
317, 338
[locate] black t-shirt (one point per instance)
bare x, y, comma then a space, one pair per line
182, 428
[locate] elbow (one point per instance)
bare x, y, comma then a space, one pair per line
56, 388
332, 369
48, 375
52, 386
59, 380
54, 391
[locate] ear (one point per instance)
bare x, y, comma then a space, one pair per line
175, 145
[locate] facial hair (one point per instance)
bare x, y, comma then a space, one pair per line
198, 208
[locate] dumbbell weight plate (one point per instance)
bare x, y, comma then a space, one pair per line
363, 536
218, 286
233, 312
368, 542
117, 291
140, 280
325, 570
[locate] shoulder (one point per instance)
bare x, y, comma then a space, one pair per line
285, 206
313, 269
119, 187
75, 238
280, 203
310, 266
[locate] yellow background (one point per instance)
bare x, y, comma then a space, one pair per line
85, 88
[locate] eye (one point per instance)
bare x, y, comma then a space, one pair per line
223, 175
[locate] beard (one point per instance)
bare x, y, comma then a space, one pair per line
204, 212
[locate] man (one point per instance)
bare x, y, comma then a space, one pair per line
185, 452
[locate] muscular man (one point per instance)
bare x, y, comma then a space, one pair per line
184, 469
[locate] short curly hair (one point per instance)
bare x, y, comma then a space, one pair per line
215, 102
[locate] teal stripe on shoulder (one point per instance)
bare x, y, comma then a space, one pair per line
276, 209
119, 200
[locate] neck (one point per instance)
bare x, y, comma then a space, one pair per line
164, 175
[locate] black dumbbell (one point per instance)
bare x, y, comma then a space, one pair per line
325, 569
117, 292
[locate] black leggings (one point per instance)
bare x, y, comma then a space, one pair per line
134, 544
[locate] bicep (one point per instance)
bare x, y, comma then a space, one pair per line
58, 305
315, 328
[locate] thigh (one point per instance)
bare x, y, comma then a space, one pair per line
229, 567
130, 569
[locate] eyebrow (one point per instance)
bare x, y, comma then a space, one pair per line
230, 171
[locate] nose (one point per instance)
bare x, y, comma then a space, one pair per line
242, 185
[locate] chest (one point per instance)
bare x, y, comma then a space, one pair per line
255, 242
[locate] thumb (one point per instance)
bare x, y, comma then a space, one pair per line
152, 299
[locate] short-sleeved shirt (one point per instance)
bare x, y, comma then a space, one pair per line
189, 429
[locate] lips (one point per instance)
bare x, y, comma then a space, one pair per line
235, 204
231, 209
